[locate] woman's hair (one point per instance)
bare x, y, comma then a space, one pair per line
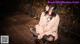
53, 14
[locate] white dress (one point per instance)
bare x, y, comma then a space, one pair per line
47, 28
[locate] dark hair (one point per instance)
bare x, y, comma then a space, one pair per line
53, 14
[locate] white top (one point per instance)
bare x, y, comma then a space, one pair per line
47, 26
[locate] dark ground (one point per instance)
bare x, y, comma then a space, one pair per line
17, 16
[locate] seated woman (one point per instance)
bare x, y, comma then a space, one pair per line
48, 25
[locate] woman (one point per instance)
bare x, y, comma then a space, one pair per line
48, 25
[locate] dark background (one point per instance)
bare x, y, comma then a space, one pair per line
16, 17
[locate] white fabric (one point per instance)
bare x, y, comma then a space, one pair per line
47, 26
